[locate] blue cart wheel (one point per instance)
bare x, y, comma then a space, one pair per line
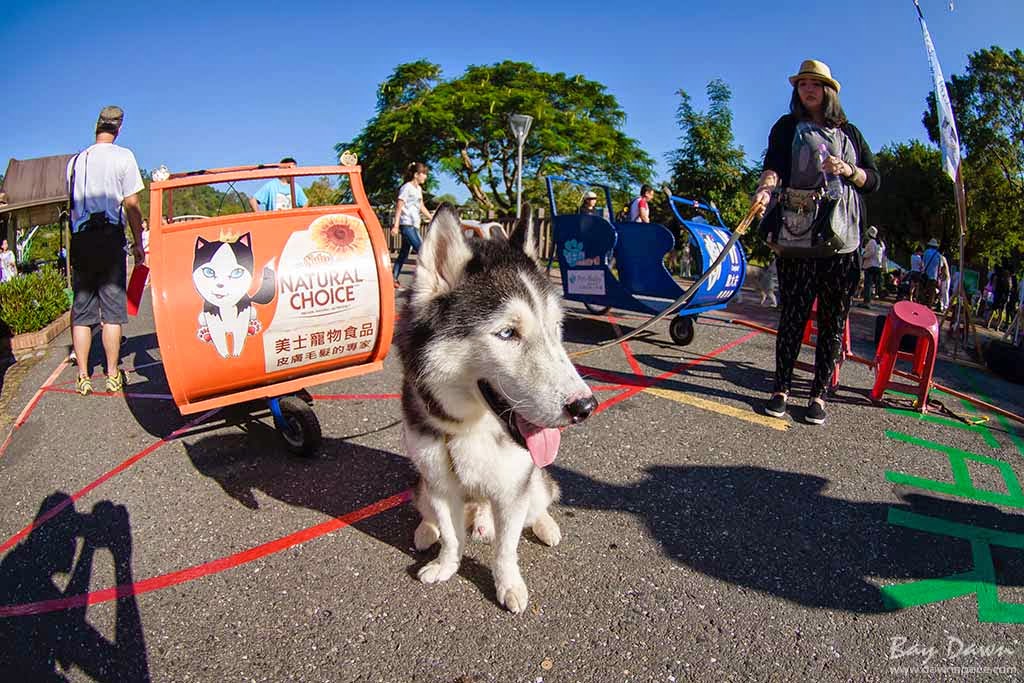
596, 310
681, 330
299, 426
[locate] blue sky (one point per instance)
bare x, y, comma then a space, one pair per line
221, 84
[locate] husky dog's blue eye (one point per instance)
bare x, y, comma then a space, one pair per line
237, 273
506, 334
208, 272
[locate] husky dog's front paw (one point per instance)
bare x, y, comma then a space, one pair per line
426, 535
546, 529
437, 571
513, 595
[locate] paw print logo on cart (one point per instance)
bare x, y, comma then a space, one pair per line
573, 252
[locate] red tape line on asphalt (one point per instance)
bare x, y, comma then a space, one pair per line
354, 397
213, 567
646, 382
132, 369
27, 410
161, 397
626, 348
224, 563
42, 519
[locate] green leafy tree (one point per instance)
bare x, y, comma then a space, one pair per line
199, 200
708, 165
323, 193
915, 201
446, 198
460, 126
988, 104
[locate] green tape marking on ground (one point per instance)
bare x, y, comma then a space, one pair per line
984, 431
962, 486
980, 581
1012, 431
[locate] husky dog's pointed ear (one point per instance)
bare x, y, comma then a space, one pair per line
524, 235
496, 232
443, 256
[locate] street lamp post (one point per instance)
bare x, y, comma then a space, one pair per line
520, 124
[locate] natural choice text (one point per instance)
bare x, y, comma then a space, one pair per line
319, 289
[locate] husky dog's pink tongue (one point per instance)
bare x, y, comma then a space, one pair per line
540, 441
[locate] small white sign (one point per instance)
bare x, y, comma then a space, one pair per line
586, 282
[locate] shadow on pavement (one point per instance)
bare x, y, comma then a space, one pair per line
776, 532
343, 478
41, 647
157, 416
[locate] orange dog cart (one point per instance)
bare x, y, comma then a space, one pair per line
261, 305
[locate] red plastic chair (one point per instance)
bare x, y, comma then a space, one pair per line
918, 321
811, 339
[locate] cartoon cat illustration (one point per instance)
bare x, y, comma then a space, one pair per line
222, 271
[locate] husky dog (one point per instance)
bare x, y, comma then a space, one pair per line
222, 271
487, 386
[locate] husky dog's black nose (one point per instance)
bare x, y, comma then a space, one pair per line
580, 409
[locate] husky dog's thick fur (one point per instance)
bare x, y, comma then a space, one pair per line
487, 386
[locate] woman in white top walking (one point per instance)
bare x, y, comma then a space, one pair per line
409, 211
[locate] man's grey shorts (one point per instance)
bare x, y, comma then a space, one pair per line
100, 297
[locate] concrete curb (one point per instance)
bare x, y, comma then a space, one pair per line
32, 340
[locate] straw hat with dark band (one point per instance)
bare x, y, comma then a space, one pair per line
815, 70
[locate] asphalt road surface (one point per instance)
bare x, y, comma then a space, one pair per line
702, 540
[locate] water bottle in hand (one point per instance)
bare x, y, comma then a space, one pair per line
833, 184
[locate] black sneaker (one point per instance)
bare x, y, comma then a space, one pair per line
815, 413
776, 406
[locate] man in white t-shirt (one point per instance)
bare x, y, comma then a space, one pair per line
104, 184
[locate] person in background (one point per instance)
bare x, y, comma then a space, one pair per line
985, 296
8, 265
929, 284
276, 194
916, 274
409, 212
1012, 305
1002, 283
944, 278
872, 261
640, 208
795, 161
104, 184
588, 207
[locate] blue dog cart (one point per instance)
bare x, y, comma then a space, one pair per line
585, 245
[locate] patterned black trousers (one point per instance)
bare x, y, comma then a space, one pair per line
833, 281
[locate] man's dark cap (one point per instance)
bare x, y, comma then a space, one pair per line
110, 120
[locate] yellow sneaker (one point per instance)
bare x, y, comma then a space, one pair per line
83, 385
115, 383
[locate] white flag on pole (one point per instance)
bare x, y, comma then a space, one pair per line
947, 126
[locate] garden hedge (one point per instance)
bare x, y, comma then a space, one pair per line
29, 303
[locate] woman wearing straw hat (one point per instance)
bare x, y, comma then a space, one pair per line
814, 153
